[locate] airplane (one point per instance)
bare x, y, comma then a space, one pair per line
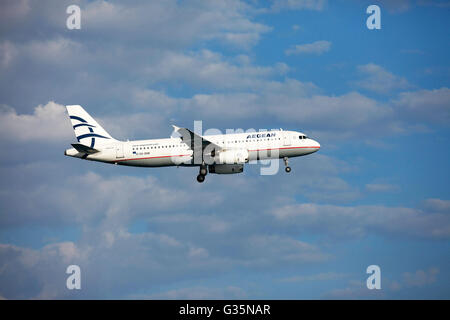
218, 154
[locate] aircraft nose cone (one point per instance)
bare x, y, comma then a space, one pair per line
316, 145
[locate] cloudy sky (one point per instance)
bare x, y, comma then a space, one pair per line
377, 192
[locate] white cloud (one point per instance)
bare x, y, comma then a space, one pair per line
396, 6
176, 243
198, 293
426, 106
345, 112
227, 21
183, 237
116, 199
131, 263
28, 273
239, 105
327, 276
400, 6
405, 282
298, 4
298, 103
259, 251
159, 21
358, 221
328, 117
14, 9
379, 79
137, 126
437, 205
207, 69
381, 187
355, 290
420, 278
62, 51
8, 52
317, 47
48, 122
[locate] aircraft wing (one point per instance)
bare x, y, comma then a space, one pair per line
194, 141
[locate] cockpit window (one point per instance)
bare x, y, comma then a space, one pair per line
303, 137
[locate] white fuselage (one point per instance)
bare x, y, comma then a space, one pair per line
174, 152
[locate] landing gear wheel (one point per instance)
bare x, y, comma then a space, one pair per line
286, 163
203, 169
200, 178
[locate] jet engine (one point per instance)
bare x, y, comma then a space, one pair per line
231, 156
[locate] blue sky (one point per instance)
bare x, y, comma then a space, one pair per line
376, 193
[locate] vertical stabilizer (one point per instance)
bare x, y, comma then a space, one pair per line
87, 131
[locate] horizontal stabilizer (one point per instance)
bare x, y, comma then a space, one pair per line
84, 149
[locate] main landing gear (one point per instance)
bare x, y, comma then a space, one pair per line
202, 173
200, 178
286, 163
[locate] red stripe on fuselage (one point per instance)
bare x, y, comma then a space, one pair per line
185, 155
179, 155
286, 148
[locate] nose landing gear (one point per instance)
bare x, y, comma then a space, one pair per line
286, 163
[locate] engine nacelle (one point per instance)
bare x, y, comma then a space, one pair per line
226, 168
231, 156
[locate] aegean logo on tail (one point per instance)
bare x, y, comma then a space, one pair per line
92, 134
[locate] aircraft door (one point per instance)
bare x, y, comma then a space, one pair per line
286, 138
119, 151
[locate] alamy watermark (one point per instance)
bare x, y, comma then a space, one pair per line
264, 143
74, 19
74, 280
374, 280
374, 20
